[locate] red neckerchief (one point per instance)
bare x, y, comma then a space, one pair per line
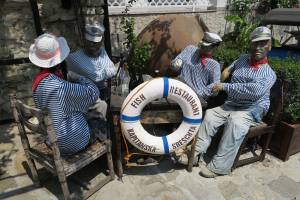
255, 64
203, 58
43, 74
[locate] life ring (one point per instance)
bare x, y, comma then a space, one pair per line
155, 89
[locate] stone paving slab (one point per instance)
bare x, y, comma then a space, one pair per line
271, 179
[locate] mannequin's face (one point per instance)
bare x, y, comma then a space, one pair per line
209, 50
92, 48
260, 49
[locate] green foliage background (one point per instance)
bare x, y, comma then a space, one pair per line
285, 69
139, 55
237, 42
289, 69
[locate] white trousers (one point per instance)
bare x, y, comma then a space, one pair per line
96, 118
237, 124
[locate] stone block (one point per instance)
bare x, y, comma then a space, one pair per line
31, 71
4, 51
15, 79
67, 16
99, 11
47, 11
6, 108
2, 101
13, 34
19, 1
89, 11
94, 19
12, 17
24, 86
52, 18
11, 72
24, 94
54, 30
95, 3
20, 52
285, 186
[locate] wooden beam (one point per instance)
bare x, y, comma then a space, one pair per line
36, 17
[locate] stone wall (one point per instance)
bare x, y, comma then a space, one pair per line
214, 20
17, 32
16, 28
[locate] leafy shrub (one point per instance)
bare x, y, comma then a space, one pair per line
289, 69
139, 55
287, 3
244, 7
227, 54
241, 7
240, 36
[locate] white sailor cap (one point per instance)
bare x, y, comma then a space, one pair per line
210, 39
94, 32
260, 33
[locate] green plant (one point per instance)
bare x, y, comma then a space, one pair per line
139, 54
289, 69
240, 37
287, 3
226, 54
241, 7
245, 8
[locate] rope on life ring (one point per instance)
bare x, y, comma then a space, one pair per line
155, 89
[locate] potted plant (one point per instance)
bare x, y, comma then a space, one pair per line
286, 140
138, 55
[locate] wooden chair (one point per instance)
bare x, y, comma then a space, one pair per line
50, 157
264, 131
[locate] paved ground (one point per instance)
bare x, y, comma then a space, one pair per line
271, 179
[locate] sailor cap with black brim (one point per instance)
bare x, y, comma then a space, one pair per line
94, 32
210, 39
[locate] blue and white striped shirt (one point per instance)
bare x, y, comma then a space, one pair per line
200, 78
67, 103
249, 87
97, 69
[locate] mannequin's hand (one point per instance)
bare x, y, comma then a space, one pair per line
217, 87
176, 66
73, 77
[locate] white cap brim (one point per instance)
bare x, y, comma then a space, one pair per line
209, 44
93, 38
261, 39
206, 44
55, 60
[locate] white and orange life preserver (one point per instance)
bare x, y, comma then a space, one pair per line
155, 89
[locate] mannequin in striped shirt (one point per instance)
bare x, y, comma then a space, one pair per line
197, 68
68, 101
93, 62
247, 102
